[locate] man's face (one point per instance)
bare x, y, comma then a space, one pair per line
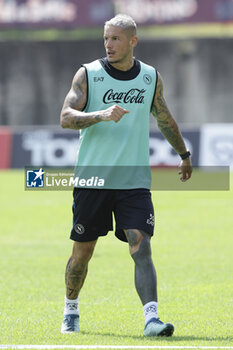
118, 44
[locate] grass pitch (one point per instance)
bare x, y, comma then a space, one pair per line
192, 251
176, 31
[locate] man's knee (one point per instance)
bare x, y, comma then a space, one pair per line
139, 243
82, 251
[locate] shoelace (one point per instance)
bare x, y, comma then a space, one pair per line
158, 321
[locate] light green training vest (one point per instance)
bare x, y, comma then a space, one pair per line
117, 153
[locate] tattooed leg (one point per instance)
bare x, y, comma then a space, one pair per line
145, 274
77, 266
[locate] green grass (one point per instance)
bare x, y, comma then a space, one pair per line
178, 31
192, 251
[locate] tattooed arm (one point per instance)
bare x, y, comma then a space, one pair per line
72, 116
170, 129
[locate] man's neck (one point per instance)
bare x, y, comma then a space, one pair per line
123, 66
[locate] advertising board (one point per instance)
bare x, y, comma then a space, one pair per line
69, 14
52, 148
148, 12
65, 14
216, 142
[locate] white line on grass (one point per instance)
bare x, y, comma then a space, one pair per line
54, 347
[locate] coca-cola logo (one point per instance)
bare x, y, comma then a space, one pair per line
131, 96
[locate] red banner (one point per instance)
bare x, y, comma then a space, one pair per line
5, 147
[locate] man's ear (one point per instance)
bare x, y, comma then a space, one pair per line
134, 41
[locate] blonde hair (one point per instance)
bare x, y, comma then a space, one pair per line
124, 21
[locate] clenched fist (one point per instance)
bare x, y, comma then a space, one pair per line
114, 113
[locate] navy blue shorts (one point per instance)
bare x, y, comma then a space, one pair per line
93, 211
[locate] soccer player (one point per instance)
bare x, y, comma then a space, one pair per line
110, 100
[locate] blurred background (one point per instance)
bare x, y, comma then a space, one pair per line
44, 42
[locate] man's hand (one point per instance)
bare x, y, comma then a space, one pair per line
185, 169
72, 115
114, 113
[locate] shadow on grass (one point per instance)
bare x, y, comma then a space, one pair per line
172, 339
